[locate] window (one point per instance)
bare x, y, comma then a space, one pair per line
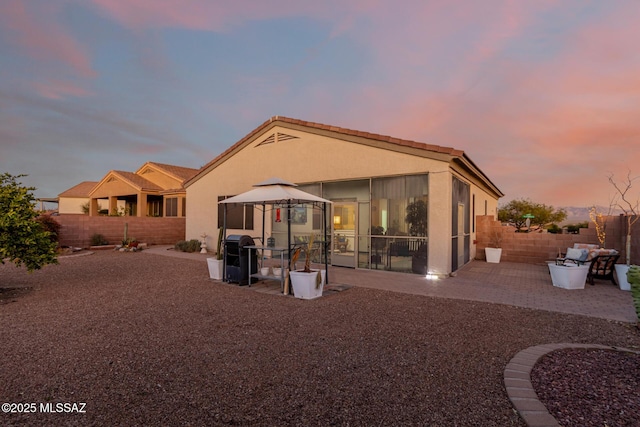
399, 206
239, 216
154, 206
172, 206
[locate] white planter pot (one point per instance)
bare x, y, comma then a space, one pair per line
568, 277
277, 271
493, 254
304, 284
215, 268
264, 271
621, 272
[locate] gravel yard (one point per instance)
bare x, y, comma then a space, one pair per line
145, 339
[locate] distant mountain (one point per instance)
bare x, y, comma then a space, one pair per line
578, 214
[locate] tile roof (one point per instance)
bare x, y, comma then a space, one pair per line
340, 130
137, 181
81, 190
180, 172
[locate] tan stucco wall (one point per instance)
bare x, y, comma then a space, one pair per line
314, 158
439, 223
73, 205
161, 179
113, 188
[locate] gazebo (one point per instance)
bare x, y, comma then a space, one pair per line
284, 194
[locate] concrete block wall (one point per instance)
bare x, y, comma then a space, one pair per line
532, 248
536, 248
76, 230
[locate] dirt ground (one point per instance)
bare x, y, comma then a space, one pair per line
142, 339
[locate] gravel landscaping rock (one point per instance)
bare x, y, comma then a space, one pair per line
589, 388
145, 339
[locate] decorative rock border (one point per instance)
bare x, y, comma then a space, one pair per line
74, 255
517, 380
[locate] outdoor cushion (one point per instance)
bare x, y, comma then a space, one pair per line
577, 254
607, 252
585, 246
591, 248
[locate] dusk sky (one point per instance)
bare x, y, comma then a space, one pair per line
544, 96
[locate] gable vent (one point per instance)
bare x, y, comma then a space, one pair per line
277, 137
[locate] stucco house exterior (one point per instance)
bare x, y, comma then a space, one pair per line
74, 200
155, 189
397, 205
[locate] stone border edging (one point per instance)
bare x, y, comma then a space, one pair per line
76, 255
517, 380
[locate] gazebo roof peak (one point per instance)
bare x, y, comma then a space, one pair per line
275, 181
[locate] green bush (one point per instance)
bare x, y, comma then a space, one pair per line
554, 229
98, 240
192, 245
575, 228
22, 239
50, 225
633, 277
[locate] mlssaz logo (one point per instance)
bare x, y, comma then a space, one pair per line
63, 407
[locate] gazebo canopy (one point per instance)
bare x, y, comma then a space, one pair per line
275, 191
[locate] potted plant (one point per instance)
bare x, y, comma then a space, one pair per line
307, 283
216, 264
493, 252
277, 270
630, 209
633, 277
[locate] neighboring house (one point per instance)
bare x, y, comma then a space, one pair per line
75, 200
397, 205
155, 189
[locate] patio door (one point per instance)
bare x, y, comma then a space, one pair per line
344, 242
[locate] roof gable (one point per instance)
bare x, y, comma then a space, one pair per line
81, 190
136, 182
380, 141
456, 158
179, 173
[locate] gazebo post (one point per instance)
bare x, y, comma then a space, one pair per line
289, 248
224, 242
264, 211
326, 242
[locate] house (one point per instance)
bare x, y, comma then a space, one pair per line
398, 205
155, 189
75, 200
149, 203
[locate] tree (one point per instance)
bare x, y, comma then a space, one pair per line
23, 240
417, 218
516, 211
629, 205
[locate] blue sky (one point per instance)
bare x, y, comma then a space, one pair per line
543, 96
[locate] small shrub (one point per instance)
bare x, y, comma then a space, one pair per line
98, 240
575, 228
51, 225
633, 277
192, 245
554, 229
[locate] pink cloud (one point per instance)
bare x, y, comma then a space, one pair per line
198, 14
55, 89
42, 38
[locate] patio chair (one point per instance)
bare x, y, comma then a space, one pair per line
602, 267
573, 255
